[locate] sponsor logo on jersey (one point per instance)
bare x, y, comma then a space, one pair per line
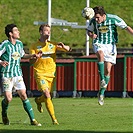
15, 55
47, 54
103, 29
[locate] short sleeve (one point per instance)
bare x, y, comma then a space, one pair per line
120, 22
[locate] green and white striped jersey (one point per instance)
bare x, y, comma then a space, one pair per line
106, 31
12, 54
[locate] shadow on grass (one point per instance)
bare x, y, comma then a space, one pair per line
56, 131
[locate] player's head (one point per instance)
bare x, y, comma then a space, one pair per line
42, 27
12, 30
44, 30
99, 10
100, 14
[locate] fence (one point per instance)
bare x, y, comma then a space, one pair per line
79, 77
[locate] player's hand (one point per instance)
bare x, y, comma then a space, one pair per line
61, 45
38, 55
4, 63
94, 36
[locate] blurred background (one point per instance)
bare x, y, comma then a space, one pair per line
24, 12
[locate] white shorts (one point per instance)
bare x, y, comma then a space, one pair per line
109, 50
13, 84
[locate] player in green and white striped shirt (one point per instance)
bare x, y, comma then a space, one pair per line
11, 51
102, 29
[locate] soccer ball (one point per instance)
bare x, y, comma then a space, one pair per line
88, 13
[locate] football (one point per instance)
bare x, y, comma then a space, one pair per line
88, 13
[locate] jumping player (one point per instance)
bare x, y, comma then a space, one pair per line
102, 29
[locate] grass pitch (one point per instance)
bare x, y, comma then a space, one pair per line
75, 115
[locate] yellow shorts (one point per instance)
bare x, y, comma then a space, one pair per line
45, 82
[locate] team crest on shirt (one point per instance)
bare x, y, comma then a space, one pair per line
15, 55
42, 81
50, 46
103, 29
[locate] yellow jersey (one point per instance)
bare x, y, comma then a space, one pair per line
46, 65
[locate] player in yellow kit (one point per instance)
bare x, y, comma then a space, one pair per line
45, 67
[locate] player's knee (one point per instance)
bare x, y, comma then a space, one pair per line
9, 99
100, 55
47, 95
23, 96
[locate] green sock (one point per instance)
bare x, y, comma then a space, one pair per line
107, 78
4, 105
101, 69
28, 109
102, 90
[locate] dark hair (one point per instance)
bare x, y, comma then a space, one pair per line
9, 28
99, 10
42, 26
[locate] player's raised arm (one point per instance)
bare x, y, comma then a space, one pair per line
61, 46
130, 30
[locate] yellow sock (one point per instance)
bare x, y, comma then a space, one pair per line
50, 108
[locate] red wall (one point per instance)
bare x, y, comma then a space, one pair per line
129, 74
87, 78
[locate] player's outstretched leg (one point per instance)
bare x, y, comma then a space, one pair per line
50, 108
28, 108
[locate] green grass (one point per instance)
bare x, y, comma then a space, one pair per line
25, 12
75, 115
